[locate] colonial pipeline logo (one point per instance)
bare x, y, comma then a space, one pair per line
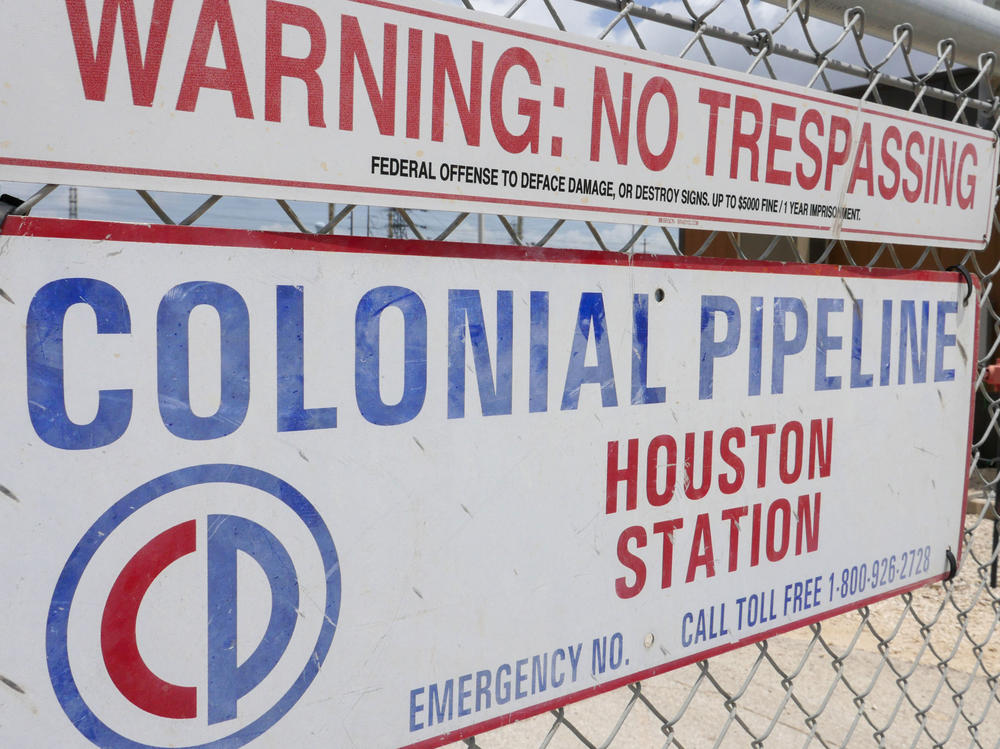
195, 612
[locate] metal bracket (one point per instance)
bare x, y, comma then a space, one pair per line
968, 281
996, 540
952, 565
8, 204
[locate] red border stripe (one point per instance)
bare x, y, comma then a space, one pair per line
267, 182
195, 235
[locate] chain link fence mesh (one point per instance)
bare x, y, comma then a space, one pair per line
922, 669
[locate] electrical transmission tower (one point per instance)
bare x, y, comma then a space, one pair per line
397, 225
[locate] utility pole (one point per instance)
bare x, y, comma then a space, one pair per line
73, 204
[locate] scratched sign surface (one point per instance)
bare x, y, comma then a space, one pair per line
431, 106
329, 491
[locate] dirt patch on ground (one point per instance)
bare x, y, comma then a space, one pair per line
956, 629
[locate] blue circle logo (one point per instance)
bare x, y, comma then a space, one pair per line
200, 606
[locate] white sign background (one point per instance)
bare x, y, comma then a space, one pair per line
471, 544
391, 118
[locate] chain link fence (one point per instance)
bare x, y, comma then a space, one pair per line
922, 669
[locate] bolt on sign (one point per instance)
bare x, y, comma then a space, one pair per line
429, 106
289, 490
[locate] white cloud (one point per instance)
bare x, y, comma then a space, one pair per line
586, 20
